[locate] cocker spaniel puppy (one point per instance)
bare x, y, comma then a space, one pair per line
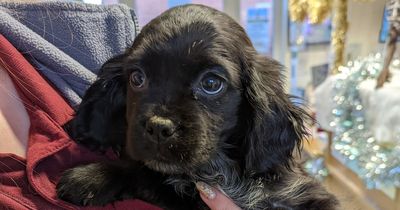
190, 101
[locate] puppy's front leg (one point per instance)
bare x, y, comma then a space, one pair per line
95, 184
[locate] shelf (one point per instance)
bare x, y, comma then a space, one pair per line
352, 184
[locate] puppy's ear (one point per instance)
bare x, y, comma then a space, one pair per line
276, 126
100, 119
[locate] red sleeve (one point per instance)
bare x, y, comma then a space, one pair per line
30, 183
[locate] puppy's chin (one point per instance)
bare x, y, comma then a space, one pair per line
168, 168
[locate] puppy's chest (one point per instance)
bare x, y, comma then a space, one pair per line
183, 185
247, 193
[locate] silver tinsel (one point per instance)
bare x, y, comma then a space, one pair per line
353, 144
316, 167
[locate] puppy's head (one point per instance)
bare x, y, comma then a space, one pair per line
184, 90
197, 87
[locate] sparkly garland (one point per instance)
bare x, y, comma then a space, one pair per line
316, 10
298, 10
353, 144
340, 25
315, 166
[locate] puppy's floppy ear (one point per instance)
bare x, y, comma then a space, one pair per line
276, 126
100, 119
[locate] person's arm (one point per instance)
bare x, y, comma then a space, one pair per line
14, 119
214, 198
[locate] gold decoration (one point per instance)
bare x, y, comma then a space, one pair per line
298, 10
340, 25
318, 10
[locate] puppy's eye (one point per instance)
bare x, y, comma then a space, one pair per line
212, 84
137, 79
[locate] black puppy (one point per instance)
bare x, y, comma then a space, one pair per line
190, 101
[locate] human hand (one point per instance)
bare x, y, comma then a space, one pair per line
214, 198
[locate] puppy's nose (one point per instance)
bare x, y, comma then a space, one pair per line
160, 127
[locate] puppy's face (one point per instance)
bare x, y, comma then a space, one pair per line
197, 87
183, 95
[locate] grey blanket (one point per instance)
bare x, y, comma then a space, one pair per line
68, 42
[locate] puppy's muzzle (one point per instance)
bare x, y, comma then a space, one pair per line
159, 128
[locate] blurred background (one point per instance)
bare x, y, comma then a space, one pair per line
268, 24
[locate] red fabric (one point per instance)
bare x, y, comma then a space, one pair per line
30, 183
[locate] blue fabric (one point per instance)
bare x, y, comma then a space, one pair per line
66, 41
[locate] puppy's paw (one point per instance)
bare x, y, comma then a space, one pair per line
86, 186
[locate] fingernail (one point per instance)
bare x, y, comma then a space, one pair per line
205, 190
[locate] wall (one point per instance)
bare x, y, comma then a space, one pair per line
365, 23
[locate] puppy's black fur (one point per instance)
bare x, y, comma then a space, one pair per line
176, 128
99, 122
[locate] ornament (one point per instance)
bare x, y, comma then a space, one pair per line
318, 10
353, 144
315, 10
298, 10
316, 168
340, 25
